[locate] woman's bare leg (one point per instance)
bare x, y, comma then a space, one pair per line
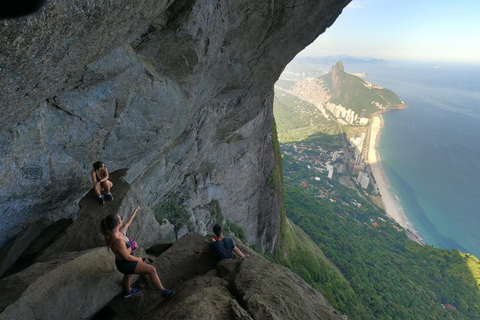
126, 282
146, 269
98, 189
107, 185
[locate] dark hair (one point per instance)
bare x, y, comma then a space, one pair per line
217, 229
98, 165
108, 224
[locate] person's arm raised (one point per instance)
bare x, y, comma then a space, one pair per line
129, 221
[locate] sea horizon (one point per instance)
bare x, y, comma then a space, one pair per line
428, 150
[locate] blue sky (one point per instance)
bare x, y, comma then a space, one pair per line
432, 30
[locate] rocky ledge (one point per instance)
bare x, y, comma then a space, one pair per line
86, 285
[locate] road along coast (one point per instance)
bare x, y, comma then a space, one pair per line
392, 207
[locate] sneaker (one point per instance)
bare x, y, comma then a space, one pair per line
109, 197
167, 294
132, 292
101, 200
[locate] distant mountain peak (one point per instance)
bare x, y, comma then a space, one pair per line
353, 93
338, 67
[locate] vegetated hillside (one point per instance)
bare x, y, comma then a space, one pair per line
302, 256
354, 93
297, 119
391, 276
388, 276
377, 272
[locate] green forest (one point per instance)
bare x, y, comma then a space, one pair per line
387, 275
297, 119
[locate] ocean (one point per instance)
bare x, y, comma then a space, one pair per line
430, 152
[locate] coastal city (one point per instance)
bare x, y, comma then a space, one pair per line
353, 163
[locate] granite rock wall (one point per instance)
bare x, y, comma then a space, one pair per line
175, 94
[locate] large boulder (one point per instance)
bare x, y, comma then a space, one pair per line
270, 291
236, 289
86, 284
205, 297
73, 286
85, 232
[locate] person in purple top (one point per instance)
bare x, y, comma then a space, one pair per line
114, 231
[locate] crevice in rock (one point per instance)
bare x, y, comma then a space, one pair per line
116, 109
228, 270
238, 297
38, 246
178, 12
158, 249
105, 314
107, 136
144, 37
53, 103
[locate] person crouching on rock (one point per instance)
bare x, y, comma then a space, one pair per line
122, 247
222, 247
100, 181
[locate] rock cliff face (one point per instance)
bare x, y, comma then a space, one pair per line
175, 96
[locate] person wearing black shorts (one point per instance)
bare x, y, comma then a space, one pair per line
116, 239
100, 182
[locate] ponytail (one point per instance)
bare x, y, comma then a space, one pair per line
108, 225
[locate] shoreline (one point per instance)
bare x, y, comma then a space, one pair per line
392, 207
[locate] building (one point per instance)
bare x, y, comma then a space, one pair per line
363, 179
365, 182
335, 156
330, 171
363, 120
359, 160
340, 167
358, 168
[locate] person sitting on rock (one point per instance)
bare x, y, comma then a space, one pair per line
222, 247
122, 247
100, 181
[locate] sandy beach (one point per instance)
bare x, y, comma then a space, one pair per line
392, 209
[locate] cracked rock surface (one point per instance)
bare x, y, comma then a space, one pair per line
177, 94
86, 285
236, 289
